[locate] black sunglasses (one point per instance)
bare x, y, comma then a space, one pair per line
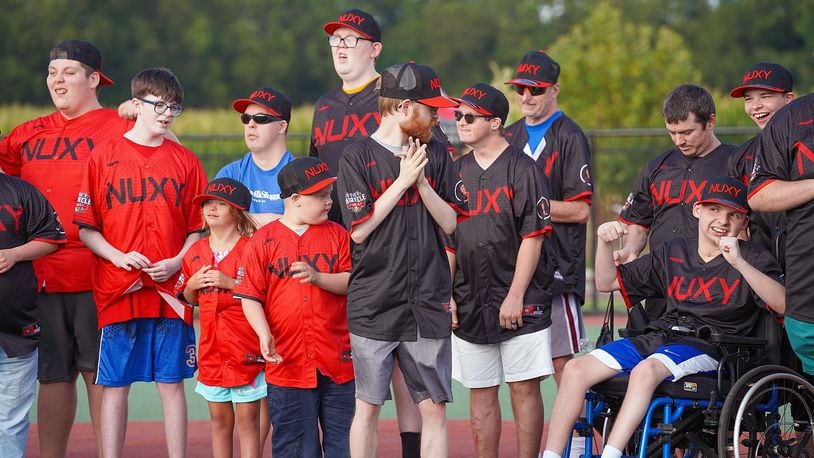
535, 91
469, 117
259, 118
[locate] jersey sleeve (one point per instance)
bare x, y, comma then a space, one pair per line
251, 279
11, 160
186, 272
762, 260
642, 278
638, 208
445, 173
86, 213
42, 222
353, 190
196, 184
530, 201
576, 169
344, 264
772, 154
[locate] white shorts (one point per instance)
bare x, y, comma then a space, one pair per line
520, 358
567, 327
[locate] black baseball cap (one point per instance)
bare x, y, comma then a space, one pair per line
228, 190
537, 69
272, 100
727, 191
305, 175
82, 51
486, 100
416, 82
767, 76
359, 21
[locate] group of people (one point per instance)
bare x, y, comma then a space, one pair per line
377, 266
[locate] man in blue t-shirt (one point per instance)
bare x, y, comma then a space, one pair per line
265, 116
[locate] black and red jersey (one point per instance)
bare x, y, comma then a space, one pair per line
565, 159
25, 216
500, 206
766, 228
399, 284
785, 151
698, 293
666, 190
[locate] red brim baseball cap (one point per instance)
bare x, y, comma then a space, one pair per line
765, 76
359, 21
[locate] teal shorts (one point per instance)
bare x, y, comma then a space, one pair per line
246, 393
801, 337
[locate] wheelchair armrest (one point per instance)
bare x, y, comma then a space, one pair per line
732, 340
628, 332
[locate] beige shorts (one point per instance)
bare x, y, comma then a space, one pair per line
520, 358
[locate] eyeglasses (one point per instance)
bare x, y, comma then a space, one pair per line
349, 41
259, 118
161, 107
469, 117
534, 91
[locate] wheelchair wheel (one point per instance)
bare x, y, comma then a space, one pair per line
770, 415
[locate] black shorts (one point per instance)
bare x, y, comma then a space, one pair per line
69, 336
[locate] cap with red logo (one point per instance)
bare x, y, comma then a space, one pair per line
305, 175
727, 191
228, 190
767, 76
359, 21
486, 100
82, 51
272, 100
537, 69
416, 82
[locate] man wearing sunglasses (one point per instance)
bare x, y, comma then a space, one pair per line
503, 278
265, 115
561, 150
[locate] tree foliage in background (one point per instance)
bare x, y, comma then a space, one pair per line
222, 49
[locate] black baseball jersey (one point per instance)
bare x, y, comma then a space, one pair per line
25, 216
500, 206
566, 162
785, 151
766, 228
666, 190
698, 293
399, 284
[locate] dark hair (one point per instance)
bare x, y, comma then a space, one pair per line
158, 81
686, 99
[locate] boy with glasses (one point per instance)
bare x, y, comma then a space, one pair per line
135, 212
502, 280
265, 115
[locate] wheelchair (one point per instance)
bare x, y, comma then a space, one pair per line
750, 408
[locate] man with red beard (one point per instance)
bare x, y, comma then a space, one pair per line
394, 188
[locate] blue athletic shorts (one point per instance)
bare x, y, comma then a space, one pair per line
246, 393
146, 350
680, 358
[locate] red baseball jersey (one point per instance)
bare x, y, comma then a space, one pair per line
565, 159
139, 201
51, 152
785, 152
309, 324
228, 345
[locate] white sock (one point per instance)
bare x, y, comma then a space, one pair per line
550, 454
611, 452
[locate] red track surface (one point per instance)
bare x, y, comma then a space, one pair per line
146, 440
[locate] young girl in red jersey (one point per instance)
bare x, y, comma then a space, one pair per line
230, 368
